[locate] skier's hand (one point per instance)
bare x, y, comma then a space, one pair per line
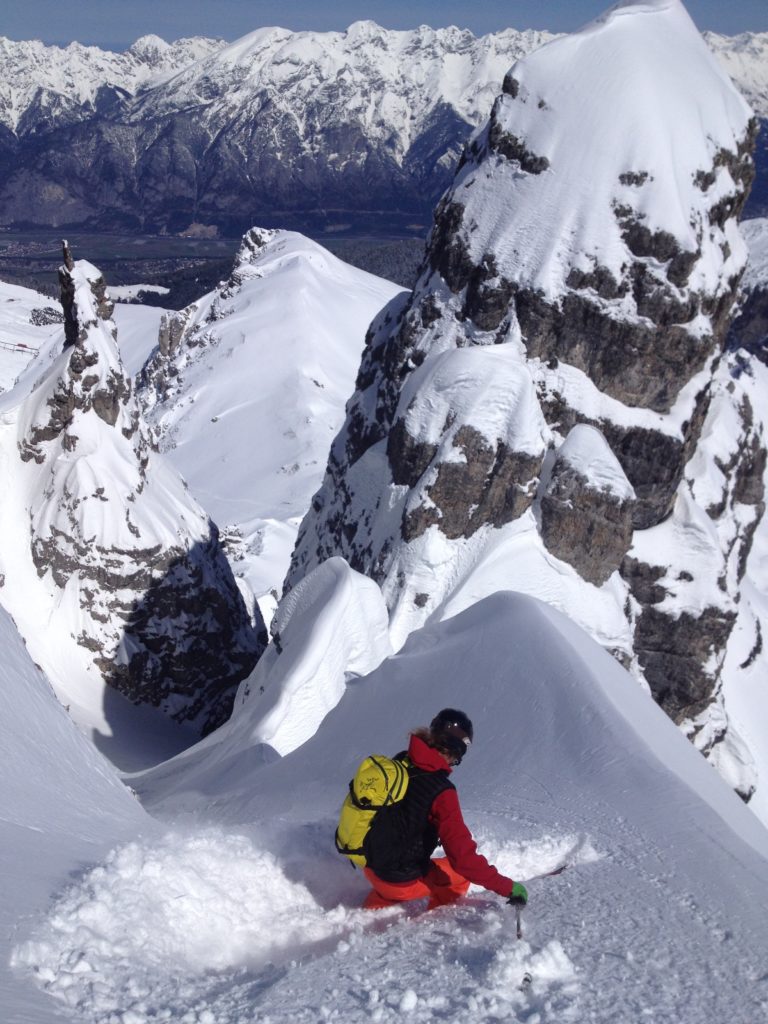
519, 895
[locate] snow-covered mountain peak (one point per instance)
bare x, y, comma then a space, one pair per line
597, 168
148, 47
637, 7
265, 251
43, 86
745, 58
413, 72
381, 117
163, 58
365, 28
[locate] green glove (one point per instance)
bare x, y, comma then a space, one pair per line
519, 895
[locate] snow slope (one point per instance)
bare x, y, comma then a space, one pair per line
244, 911
137, 330
28, 320
247, 402
61, 808
561, 221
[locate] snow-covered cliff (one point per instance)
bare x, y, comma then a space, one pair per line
581, 272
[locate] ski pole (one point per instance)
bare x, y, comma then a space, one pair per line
519, 920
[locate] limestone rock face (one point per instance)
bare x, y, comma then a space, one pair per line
686, 576
136, 584
554, 394
586, 508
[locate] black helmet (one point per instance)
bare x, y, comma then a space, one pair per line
453, 730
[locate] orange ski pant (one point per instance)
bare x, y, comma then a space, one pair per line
441, 884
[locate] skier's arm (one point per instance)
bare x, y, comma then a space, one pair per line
461, 849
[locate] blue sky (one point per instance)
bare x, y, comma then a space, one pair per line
117, 23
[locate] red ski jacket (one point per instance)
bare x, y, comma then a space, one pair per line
456, 839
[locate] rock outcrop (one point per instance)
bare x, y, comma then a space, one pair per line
586, 507
540, 414
127, 566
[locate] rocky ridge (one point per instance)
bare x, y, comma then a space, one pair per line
102, 538
247, 386
51, 87
546, 411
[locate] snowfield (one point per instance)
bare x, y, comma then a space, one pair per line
62, 808
243, 911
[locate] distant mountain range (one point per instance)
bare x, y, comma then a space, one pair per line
323, 131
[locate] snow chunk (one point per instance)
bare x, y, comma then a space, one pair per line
154, 916
588, 453
409, 1002
486, 387
546, 978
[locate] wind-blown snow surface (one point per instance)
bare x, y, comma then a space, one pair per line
245, 911
257, 387
608, 62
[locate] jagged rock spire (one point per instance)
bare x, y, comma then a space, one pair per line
126, 567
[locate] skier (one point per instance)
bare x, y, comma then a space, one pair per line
400, 845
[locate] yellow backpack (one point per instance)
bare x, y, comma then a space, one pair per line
379, 781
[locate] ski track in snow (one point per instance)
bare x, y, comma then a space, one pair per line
207, 927
184, 930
